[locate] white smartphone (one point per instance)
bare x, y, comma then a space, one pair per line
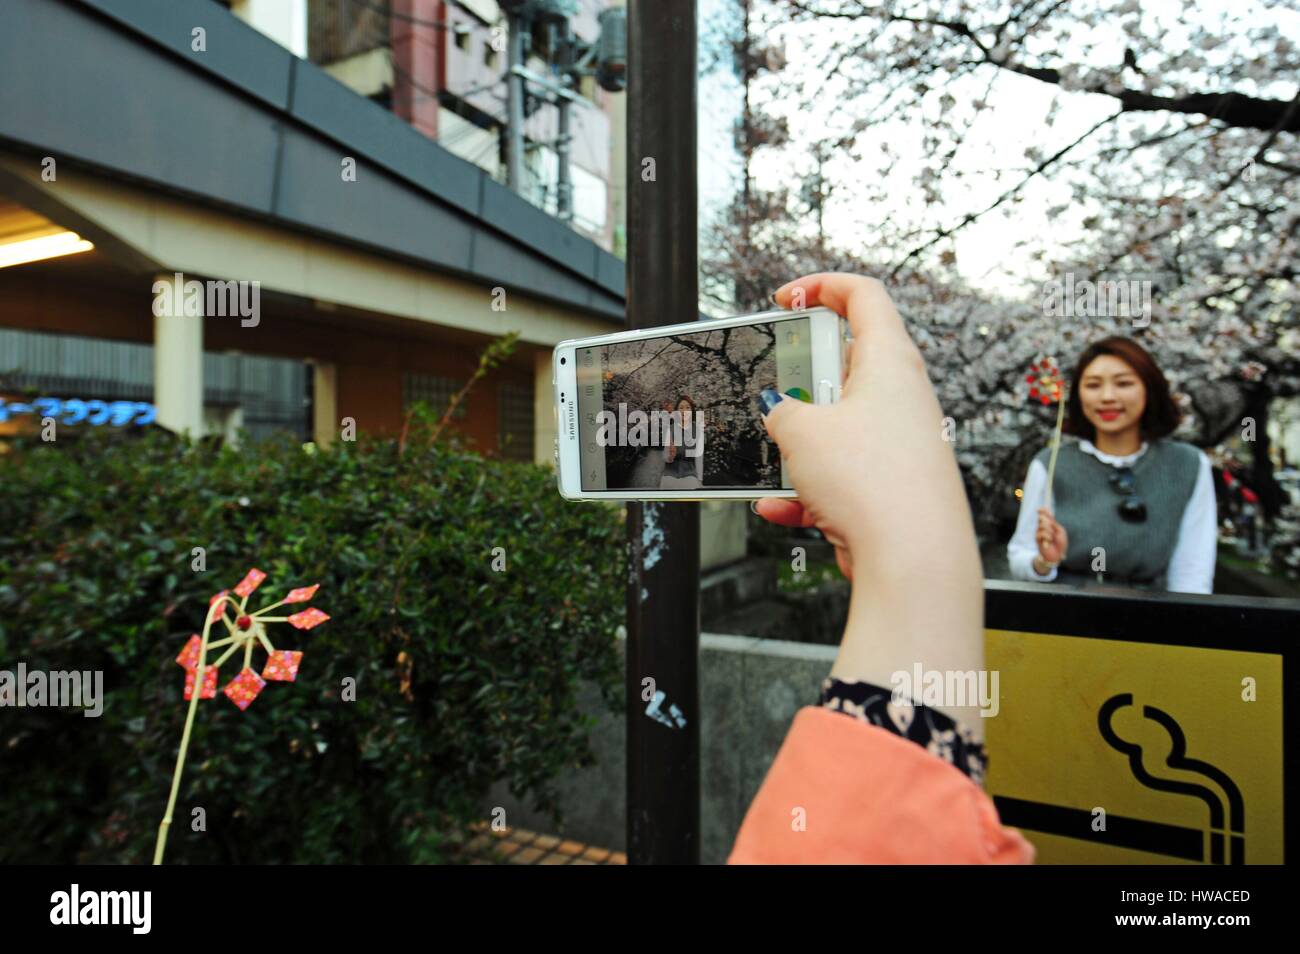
675, 412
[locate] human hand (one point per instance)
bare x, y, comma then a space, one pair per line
1053, 541
867, 472
874, 474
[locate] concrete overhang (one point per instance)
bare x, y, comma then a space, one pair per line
143, 233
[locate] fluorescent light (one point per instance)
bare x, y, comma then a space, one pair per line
46, 246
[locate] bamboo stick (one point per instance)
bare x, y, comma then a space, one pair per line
1056, 446
163, 829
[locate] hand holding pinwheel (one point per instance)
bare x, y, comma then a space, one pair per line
1052, 539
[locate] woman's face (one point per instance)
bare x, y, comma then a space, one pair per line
1112, 395
684, 407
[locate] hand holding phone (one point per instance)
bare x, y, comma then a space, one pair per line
877, 478
675, 412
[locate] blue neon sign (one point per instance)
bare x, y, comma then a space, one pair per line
76, 411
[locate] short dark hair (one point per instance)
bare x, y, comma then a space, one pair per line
1161, 416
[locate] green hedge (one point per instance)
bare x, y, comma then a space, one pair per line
96, 538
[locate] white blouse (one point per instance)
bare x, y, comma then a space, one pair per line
1191, 567
694, 482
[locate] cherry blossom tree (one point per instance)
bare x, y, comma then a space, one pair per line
1166, 153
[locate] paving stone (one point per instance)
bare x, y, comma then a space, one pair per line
522, 846
526, 856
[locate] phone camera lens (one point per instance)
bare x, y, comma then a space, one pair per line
563, 360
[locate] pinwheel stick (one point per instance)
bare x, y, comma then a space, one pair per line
1056, 446
161, 845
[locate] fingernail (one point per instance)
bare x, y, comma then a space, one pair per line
772, 298
769, 398
753, 506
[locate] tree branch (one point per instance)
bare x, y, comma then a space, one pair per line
970, 217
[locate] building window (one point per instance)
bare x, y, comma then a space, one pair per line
489, 56
433, 390
516, 431
340, 29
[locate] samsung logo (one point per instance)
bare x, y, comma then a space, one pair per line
573, 422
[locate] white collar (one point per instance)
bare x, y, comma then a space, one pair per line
1127, 461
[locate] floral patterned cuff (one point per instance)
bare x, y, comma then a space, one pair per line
937, 733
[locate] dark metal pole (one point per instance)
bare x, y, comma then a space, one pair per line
515, 105
663, 599
564, 142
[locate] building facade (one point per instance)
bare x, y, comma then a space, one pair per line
441, 66
187, 150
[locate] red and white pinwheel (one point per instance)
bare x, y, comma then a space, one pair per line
1046, 384
247, 631
1045, 381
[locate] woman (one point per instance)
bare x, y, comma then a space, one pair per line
854, 782
1130, 506
684, 465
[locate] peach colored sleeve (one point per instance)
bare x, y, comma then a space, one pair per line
869, 797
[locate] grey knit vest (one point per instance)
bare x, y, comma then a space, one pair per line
1087, 505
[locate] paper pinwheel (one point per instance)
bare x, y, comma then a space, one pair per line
247, 631
1046, 385
1045, 382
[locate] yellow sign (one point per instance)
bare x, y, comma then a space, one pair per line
1115, 752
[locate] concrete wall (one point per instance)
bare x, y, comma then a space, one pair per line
750, 690
723, 534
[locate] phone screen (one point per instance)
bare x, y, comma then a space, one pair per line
682, 412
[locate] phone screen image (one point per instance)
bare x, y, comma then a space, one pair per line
682, 412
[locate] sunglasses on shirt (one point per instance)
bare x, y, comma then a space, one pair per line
1131, 508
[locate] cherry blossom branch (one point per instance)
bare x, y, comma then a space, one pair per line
1231, 108
970, 217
